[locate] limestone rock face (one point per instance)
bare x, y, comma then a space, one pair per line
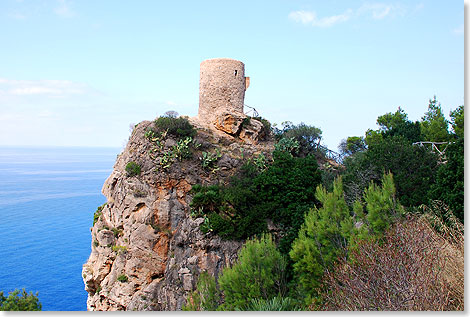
229, 123
147, 251
253, 132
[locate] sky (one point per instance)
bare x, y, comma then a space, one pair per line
79, 73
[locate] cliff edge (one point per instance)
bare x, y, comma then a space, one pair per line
147, 250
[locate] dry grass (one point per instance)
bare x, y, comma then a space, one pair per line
419, 266
451, 231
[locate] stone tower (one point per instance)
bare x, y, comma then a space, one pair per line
222, 88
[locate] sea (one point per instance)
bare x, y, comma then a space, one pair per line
47, 199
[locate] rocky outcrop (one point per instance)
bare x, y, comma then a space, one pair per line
241, 126
147, 251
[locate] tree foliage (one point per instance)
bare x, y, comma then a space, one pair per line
179, 127
329, 232
259, 273
411, 131
457, 121
309, 137
352, 145
395, 124
391, 121
413, 168
434, 126
449, 185
206, 296
20, 301
322, 238
285, 191
282, 192
381, 205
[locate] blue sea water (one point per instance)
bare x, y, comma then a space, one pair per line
47, 200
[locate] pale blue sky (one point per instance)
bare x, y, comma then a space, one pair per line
79, 72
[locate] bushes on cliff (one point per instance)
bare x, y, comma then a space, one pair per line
417, 170
231, 211
179, 127
449, 186
413, 168
259, 273
20, 301
257, 278
282, 192
205, 297
322, 238
133, 169
328, 231
98, 213
309, 137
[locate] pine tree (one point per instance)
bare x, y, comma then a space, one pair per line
323, 237
434, 126
381, 205
258, 274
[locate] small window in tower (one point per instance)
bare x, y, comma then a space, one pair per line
236, 71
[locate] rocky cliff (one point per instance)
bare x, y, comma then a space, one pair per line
147, 251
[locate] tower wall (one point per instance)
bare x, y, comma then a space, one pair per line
222, 88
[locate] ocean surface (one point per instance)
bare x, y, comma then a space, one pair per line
47, 200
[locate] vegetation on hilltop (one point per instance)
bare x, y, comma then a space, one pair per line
383, 231
388, 212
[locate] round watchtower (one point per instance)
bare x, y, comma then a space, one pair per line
222, 88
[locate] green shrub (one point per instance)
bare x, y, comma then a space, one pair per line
20, 301
229, 211
117, 232
209, 159
224, 226
413, 168
259, 273
322, 238
98, 213
119, 248
449, 186
122, 278
283, 192
179, 127
205, 297
308, 136
132, 169
288, 145
329, 233
381, 205
277, 303
206, 198
181, 149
